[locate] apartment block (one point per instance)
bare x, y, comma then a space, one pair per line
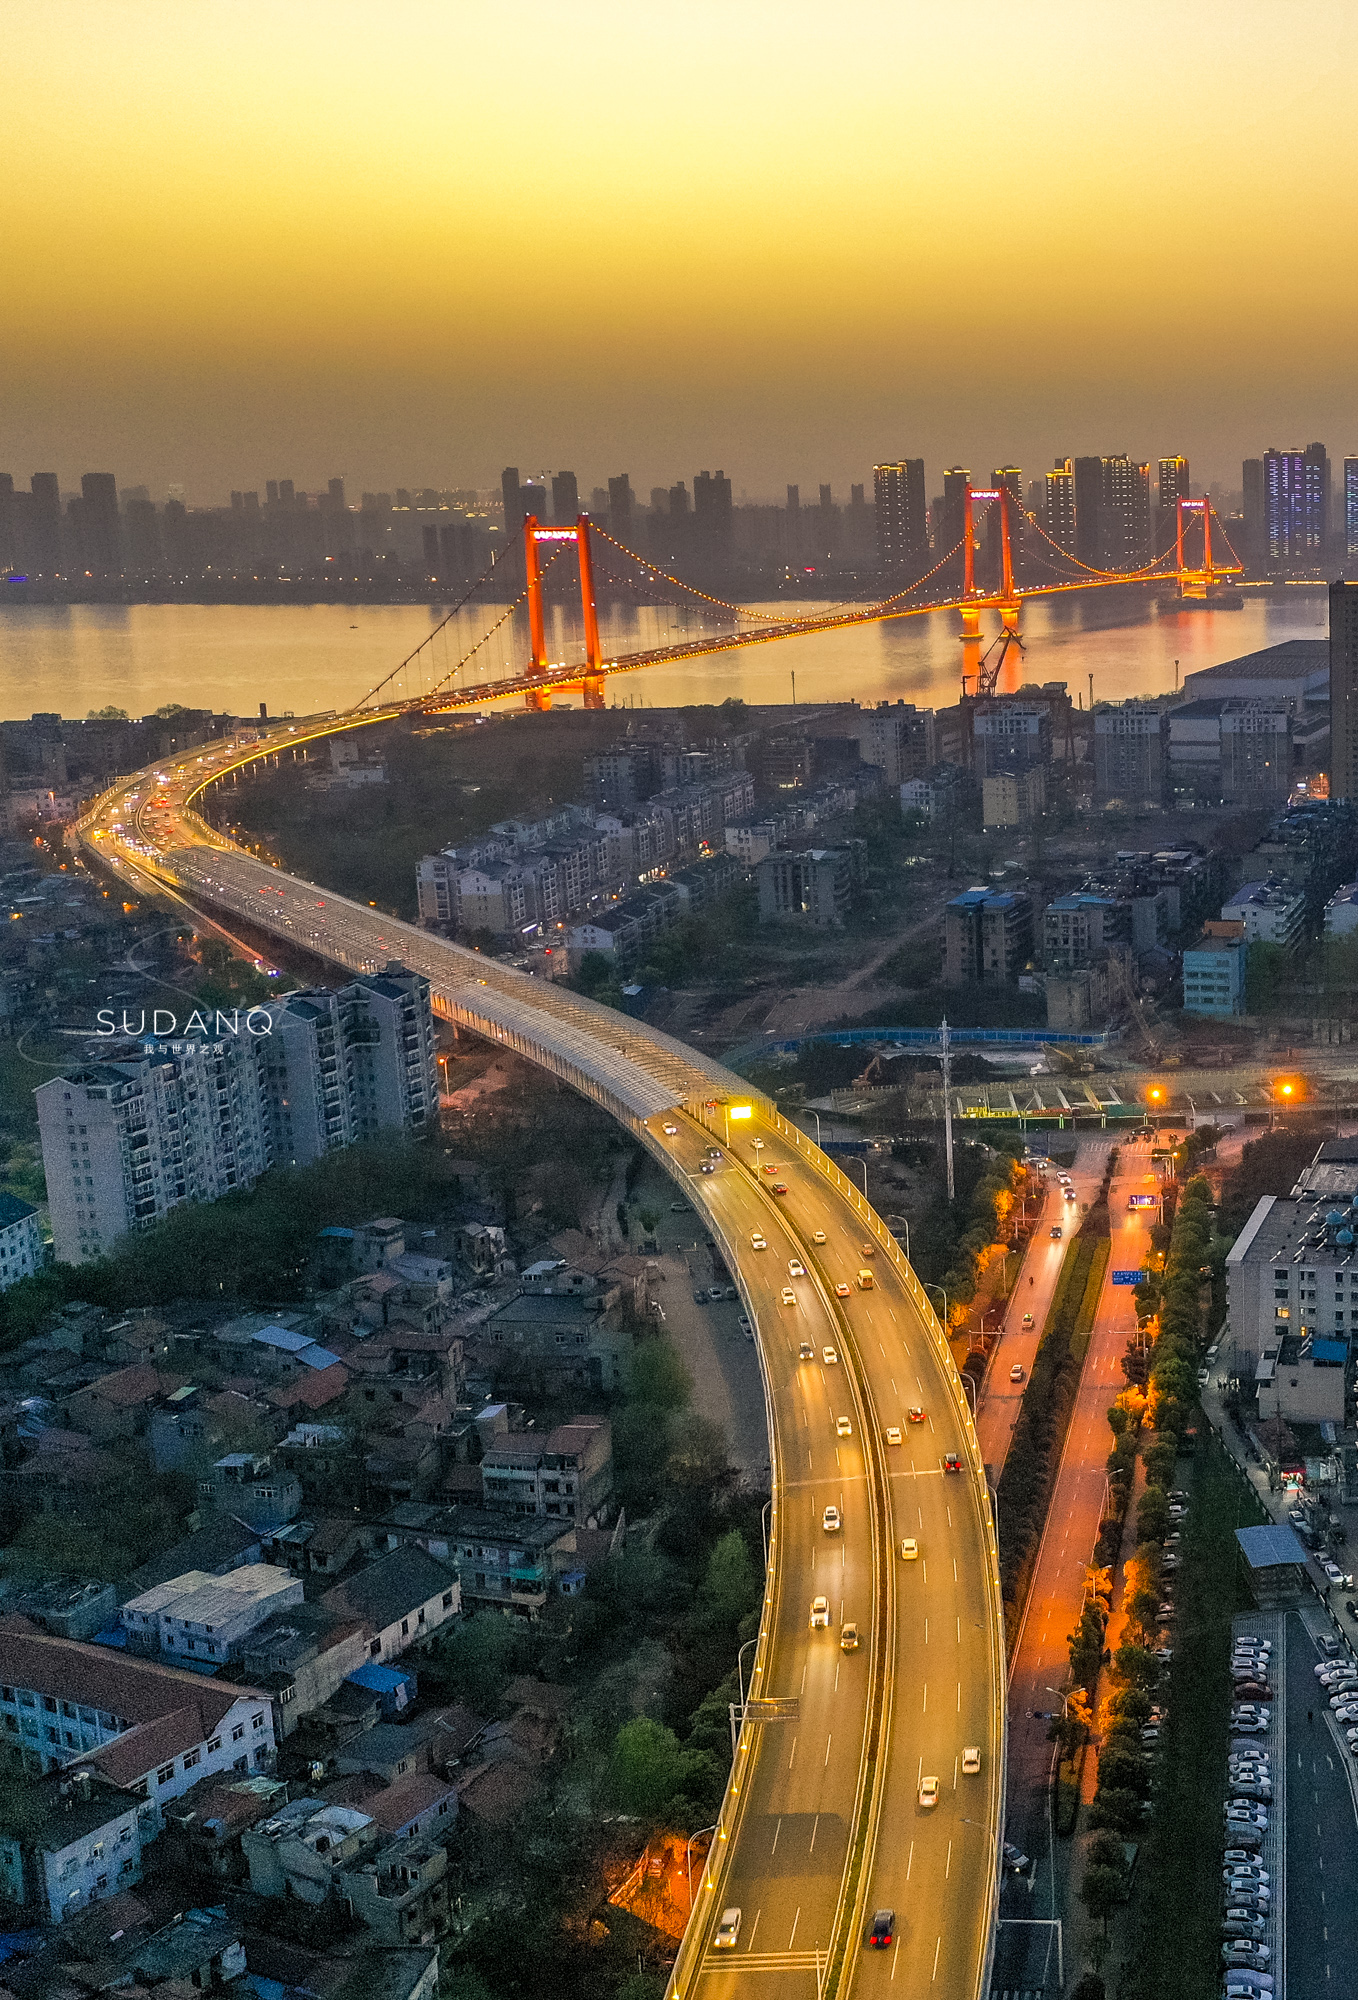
1270, 912
568, 1473
81, 1840
813, 886
197, 1618
126, 1141
1214, 974
987, 936
1130, 745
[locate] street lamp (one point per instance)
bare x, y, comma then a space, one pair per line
939, 1288
968, 1383
689, 1854
864, 1165
816, 1116
758, 1149
739, 1674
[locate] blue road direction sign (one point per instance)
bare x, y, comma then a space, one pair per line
1128, 1277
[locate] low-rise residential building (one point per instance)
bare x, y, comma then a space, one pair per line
82, 1841
401, 1892
403, 1597
301, 1657
1270, 912
987, 937
138, 1724
813, 885
1302, 1380
303, 1850
568, 1473
1013, 798
1341, 912
546, 1343
505, 1562
1214, 973
202, 1830
1292, 1273
21, 1252
198, 1617
1076, 927
247, 1485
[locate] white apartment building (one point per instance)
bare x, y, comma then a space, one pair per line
20, 1240
1270, 913
126, 1141
199, 1617
1292, 1271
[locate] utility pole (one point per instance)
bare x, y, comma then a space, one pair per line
947, 1104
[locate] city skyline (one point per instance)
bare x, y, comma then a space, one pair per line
444, 245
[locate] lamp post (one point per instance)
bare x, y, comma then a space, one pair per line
864, 1165
689, 1853
967, 1383
764, 1527
740, 1677
906, 1227
816, 1116
939, 1288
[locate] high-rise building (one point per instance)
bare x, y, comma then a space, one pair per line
512, 497
1061, 505
1344, 691
956, 480
100, 527
1351, 507
712, 516
620, 502
1011, 479
1087, 474
127, 1140
565, 498
1125, 508
1173, 487
678, 500
902, 517
1296, 505
1255, 511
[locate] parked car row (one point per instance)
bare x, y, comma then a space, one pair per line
1247, 1942
1338, 1679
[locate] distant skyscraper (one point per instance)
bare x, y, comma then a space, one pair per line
1010, 477
100, 528
1088, 477
335, 497
1296, 493
533, 500
1061, 505
1125, 506
1256, 538
620, 500
513, 502
902, 517
1174, 486
956, 479
565, 497
1344, 691
44, 525
794, 500
678, 500
712, 514
1351, 507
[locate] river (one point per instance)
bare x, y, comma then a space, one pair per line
304, 658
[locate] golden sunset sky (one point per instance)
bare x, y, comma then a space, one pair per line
410, 242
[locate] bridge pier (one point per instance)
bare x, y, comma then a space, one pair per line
593, 689
539, 698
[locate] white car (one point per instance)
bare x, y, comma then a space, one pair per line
844, 1428
1016, 1372
971, 1760
909, 1549
828, 1355
818, 1236
670, 1131
728, 1930
820, 1612
757, 1242
796, 1268
893, 1433
830, 1521
788, 1296
928, 1793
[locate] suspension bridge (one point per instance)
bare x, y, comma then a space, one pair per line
421, 683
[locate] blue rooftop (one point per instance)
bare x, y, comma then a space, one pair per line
1269, 1548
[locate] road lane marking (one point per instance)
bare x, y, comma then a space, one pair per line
795, 1921
776, 1831
794, 1752
937, 1948
925, 1709
959, 1697
815, 1828
894, 1956
754, 1927
947, 1870
828, 1741
911, 1862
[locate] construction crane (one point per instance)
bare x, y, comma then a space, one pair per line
992, 663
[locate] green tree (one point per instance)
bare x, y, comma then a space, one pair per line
476, 1660
657, 1376
1101, 1891
649, 1769
106, 715
732, 1584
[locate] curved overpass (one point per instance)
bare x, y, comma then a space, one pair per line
821, 1823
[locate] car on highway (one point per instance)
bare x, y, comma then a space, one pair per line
787, 1296
1027, 1319
806, 1352
780, 1187
928, 1793
670, 1131
869, 1249
915, 1414
865, 1281
951, 1462
848, 1638
843, 1291
827, 1354
679, 1208
1056, 1231
844, 1428
709, 1166
882, 1929
1016, 1372
1069, 1193
771, 1169
818, 1236
971, 1760
830, 1521
728, 1930
909, 1549
757, 1242
820, 1612
715, 1292
1014, 1860
796, 1268
893, 1433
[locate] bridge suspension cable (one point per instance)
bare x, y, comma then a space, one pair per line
427, 640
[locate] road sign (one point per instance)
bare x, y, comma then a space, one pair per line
1128, 1277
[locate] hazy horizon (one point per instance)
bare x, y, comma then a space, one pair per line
308, 242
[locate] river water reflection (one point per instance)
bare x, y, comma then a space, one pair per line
309, 657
